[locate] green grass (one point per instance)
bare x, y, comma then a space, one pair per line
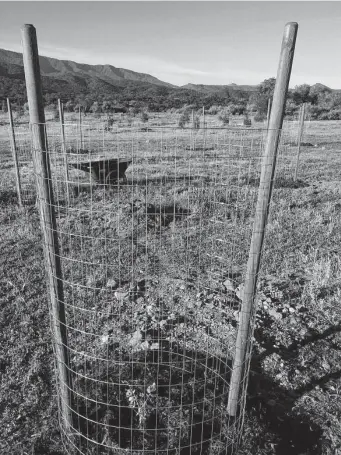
293, 403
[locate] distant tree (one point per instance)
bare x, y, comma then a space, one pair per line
265, 90
95, 108
106, 106
69, 106
301, 94
184, 118
213, 110
224, 116
237, 109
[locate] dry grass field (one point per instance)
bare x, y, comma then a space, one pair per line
178, 228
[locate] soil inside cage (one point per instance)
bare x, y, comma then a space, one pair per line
170, 400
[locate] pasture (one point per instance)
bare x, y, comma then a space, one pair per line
158, 262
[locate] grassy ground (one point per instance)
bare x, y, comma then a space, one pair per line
293, 402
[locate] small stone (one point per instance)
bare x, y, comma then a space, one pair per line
275, 314
112, 283
151, 388
104, 339
291, 309
271, 403
228, 285
136, 339
121, 295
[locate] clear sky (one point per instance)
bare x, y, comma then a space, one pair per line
182, 42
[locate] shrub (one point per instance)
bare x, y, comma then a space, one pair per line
334, 114
184, 118
259, 117
213, 110
144, 117
224, 117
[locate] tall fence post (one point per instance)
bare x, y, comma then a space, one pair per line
14, 152
243, 342
299, 138
203, 117
62, 132
268, 114
47, 217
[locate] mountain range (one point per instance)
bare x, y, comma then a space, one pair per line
69, 80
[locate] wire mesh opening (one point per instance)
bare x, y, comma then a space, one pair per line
154, 228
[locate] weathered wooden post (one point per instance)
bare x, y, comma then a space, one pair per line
268, 114
14, 152
203, 116
299, 138
64, 151
46, 203
243, 342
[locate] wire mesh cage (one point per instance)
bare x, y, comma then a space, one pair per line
153, 228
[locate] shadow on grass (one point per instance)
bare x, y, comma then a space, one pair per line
280, 182
8, 197
295, 435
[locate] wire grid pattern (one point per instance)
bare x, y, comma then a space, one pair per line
78, 139
24, 157
153, 248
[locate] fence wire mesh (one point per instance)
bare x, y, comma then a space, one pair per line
100, 135
154, 228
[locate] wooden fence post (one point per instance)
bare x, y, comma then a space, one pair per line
64, 151
45, 197
299, 139
244, 334
14, 152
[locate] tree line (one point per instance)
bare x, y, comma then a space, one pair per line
322, 103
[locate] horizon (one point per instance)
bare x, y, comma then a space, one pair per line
193, 41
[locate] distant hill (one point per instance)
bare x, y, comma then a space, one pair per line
11, 64
219, 88
85, 84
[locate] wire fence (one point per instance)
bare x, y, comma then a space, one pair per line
154, 229
97, 137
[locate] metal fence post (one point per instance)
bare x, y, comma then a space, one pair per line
62, 132
243, 342
14, 152
48, 218
80, 128
299, 138
268, 114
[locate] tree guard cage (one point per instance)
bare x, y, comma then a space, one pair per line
152, 279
